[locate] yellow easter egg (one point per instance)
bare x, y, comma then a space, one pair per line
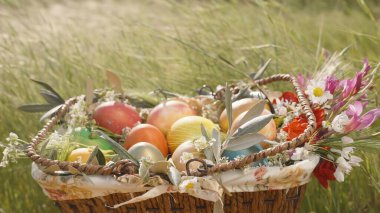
187, 129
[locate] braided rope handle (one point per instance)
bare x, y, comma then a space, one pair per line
127, 167
236, 164
119, 168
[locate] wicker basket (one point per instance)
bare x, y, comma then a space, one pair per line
287, 200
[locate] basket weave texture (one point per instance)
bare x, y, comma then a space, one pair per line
262, 201
284, 201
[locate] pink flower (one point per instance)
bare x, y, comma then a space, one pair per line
352, 86
351, 119
301, 80
331, 84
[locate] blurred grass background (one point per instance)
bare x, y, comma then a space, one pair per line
174, 45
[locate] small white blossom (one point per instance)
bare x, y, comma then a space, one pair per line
345, 162
224, 159
189, 185
202, 143
300, 154
339, 123
77, 115
308, 147
282, 135
5, 161
343, 168
186, 156
281, 108
12, 138
317, 93
110, 96
355, 160
13, 149
239, 157
347, 140
327, 125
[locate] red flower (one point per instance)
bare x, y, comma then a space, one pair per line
324, 172
296, 127
299, 124
289, 96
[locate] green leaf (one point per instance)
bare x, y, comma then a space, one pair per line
245, 141
141, 101
366, 9
144, 170
119, 149
51, 98
48, 87
204, 132
92, 157
35, 107
254, 112
174, 176
217, 145
53, 155
51, 112
253, 125
257, 75
208, 152
244, 92
228, 103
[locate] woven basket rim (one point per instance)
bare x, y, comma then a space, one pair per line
128, 167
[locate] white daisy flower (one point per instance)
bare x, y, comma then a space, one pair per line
317, 93
189, 185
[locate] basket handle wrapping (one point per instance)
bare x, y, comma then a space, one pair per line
236, 164
128, 167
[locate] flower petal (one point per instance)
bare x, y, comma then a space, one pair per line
339, 175
331, 84
355, 109
347, 140
366, 66
367, 119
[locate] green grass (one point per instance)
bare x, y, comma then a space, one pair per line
176, 46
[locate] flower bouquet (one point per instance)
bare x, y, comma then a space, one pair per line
240, 148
